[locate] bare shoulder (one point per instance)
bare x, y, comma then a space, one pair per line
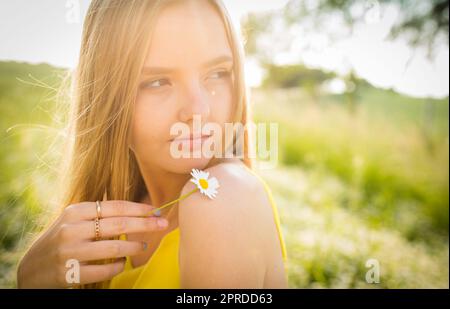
228, 233
241, 199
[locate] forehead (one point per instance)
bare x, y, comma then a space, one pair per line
187, 33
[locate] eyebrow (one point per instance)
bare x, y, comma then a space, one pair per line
166, 70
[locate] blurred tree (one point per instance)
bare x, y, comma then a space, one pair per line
422, 21
255, 25
351, 83
296, 75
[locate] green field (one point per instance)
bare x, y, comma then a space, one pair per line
367, 184
351, 185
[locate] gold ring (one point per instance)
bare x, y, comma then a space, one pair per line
97, 228
99, 209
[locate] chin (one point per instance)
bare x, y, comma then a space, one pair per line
185, 165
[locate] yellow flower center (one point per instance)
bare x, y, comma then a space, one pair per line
203, 183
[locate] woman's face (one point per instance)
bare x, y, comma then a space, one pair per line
187, 72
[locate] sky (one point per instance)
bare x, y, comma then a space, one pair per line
50, 31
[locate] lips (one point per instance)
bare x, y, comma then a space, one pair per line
191, 137
193, 141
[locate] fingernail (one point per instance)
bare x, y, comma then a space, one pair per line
157, 212
162, 223
144, 245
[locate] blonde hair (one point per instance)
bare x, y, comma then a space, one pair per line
115, 41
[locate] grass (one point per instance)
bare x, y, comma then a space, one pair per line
328, 245
361, 185
393, 174
26, 121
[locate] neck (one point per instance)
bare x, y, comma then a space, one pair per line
163, 187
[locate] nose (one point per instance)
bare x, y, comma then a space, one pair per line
195, 102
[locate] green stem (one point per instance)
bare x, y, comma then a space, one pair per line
177, 200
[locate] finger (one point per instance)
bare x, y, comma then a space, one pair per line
88, 210
99, 273
115, 226
104, 249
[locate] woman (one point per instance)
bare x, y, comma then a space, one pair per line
144, 66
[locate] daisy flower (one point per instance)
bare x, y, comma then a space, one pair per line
207, 186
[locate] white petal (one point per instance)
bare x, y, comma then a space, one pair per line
213, 183
194, 173
203, 175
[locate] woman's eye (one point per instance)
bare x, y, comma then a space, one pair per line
220, 74
155, 84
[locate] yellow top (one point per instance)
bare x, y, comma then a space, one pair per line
162, 270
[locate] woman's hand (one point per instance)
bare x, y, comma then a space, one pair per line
72, 236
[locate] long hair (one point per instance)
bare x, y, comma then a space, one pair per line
115, 40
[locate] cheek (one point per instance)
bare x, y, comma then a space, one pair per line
222, 103
148, 129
